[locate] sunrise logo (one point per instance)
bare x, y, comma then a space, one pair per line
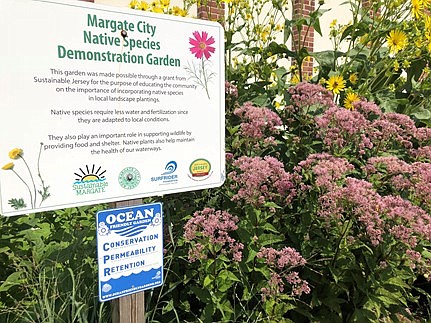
90, 180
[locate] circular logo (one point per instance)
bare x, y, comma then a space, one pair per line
200, 168
129, 178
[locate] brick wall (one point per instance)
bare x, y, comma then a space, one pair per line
303, 8
210, 10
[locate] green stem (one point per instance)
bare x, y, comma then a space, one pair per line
31, 196
205, 77
339, 243
33, 202
44, 188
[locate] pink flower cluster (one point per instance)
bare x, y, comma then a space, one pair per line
258, 180
357, 199
257, 122
370, 110
327, 169
414, 178
339, 127
392, 128
283, 261
304, 95
209, 229
231, 89
366, 127
380, 215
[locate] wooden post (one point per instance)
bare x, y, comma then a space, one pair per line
130, 308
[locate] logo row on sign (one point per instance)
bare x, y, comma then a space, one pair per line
93, 179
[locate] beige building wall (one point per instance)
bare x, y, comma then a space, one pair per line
339, 10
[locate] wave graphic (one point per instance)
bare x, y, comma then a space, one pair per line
131, 231
91, 181
170, 167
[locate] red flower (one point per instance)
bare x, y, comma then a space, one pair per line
201, 45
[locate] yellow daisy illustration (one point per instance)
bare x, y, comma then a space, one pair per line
8, 166
15, 153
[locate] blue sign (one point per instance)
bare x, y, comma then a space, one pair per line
129, 250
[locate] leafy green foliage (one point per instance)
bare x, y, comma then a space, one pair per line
49, 267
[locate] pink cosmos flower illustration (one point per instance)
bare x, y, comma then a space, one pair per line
201, 73
202, 45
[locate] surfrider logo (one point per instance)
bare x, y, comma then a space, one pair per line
129, 178
90, 180
168, 176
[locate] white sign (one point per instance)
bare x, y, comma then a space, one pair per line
129, 250
104, 104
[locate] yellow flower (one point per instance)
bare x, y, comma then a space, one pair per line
350, 98
264, 34
157, 9
235, 61
15, 153
406, 64
295, 79
176, 11
133, 4
8, 166
396, 66
336, 84
144, 6
427, 21
165, 3
397, 40
353, 78
417, 8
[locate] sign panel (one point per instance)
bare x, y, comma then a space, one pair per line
129, 250
104, 104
